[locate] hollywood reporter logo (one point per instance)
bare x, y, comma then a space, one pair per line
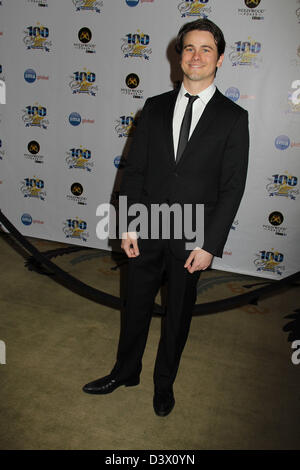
85, 36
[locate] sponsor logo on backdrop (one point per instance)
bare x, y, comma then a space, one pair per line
119, 162
234, 94
251, 10
26, 219
84, 44
33, 154
282, 142
132, 82
30, 76
134, 3
294, 97
136, 45
39, 3
33, 188
125, 125
2, 150
275, 224
235, 224
197, 8
88, 5
35, 116
246, 53
75, 120
76, 196
284, 185
75, 228
80, 158
269, 261
83, 82
37, 37
227, 252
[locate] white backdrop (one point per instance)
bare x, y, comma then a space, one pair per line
69, 109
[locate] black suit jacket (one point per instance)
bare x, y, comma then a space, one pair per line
212, 170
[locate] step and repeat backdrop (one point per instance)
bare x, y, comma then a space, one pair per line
77, 73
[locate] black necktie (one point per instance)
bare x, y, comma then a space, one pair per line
185, 126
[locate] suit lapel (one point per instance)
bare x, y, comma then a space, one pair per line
203, 124
168, 122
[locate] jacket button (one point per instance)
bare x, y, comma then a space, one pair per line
175, 174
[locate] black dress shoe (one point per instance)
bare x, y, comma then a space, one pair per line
163, 403
108, 384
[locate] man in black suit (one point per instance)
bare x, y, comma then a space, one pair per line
190, 147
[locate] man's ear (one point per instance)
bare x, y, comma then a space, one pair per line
220, 60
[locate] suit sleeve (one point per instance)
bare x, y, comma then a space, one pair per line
232, 182
136, 163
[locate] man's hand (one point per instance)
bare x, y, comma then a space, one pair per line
198, 260
130, 245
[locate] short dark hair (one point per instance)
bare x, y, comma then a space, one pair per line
201, 25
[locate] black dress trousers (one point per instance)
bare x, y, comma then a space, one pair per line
143, 282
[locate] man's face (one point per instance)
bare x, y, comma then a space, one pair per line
199, 57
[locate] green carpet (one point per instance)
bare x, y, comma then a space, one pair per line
237, 387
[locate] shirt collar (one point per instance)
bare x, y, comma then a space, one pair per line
204, 95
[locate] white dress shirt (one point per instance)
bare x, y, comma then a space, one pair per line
198, 108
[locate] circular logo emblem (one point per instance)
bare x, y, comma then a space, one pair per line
132, 3
276, 218
119, 162
26, 219
232, 93
74, 119
252, 3
76, 189
132, 80
282, 142
30, 75
33, 147
85, 35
